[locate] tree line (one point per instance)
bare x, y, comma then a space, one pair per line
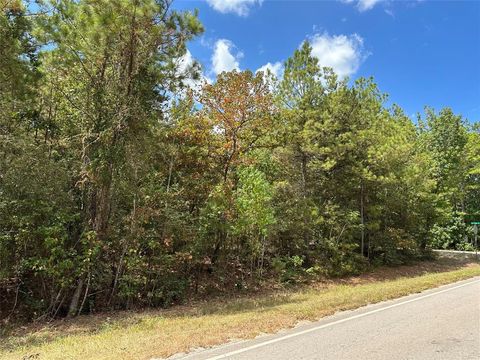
122, 186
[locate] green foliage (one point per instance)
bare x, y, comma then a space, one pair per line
288, 269
253, 203
339, 259
119, 187
452, 234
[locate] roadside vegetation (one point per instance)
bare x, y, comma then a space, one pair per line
127, 181
161, 333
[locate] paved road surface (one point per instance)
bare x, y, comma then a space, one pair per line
443, 323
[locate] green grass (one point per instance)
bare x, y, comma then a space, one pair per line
148, 334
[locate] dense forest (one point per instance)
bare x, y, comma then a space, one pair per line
128, 181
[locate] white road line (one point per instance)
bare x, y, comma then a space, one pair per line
273, 341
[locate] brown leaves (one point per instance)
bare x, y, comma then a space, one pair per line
240, 108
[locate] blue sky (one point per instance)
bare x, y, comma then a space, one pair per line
419, 52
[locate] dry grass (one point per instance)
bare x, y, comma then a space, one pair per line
143, 335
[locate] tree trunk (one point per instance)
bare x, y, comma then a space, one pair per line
262, 256
362, 218
102, 207
72, 310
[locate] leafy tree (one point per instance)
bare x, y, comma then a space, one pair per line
446, 137
120, 186
239, 107
471, 164
107, 69
255, 213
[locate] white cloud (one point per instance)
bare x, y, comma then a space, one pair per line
187, 67
343, 53
363, 5
185, 63
223, 58
239, 7
276, 69
389, 12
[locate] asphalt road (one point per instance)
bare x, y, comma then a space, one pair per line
443, 323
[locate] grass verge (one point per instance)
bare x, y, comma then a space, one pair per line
148, 334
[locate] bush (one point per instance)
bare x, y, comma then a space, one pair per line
289, 268
451, 235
